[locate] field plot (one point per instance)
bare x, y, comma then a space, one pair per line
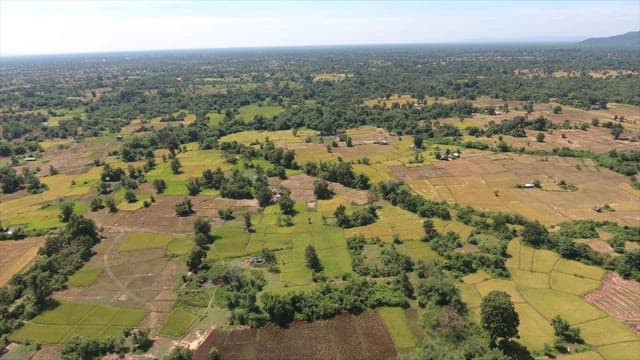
543, 286
77, 318
280, 138
16, 255
178, 323
619, 298
474, 179
396, 322
248, 112
344, 337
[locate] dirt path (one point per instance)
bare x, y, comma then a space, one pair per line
153, 311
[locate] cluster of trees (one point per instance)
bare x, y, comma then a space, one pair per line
203, 240
354, 296
11, 181
514, 127
397, 193
28, 293
131, 341
340, 172
391, 261
360, 217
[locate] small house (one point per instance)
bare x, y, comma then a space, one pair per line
384, 142
529, 186
595, 107
256, 260
119, 137
30, 158
456, 155
597, 209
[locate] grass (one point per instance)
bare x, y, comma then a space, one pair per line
70, 318
624, 351
178, 323
16, 255
606, 331
397, 325
573, 284
281, 136
84, 277
178, 246
534, 330
551, 303
145, 240
573, 267
248, 112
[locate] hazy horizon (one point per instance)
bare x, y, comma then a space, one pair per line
73, 27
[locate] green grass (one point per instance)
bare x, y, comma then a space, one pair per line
84, 277
179, 246
215, 118
624, 351
551, 303
573, 267
606, 331
70, 318
573, 284
145, 240
178, 323
397, 324
248, 112
534, 330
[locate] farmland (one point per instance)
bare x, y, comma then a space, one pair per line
293, 206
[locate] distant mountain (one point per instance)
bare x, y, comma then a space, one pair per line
630, 39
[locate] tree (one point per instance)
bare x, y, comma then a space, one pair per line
111, 204
534, 233
417, 141
263, 194
195, 258
279, 308
193, 187
498, 316
429, 230
202, 226
311, 257
179, 353
349, 142
214, 354
287, 205
130, 196
321, 190
616, 131
184, 207
66, 210
159, 185
141, 340
175, 166
225, 214
557, 109
248, 226
540, 137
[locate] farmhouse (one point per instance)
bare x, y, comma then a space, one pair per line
529, 186
30, 158
595, 107
119, 137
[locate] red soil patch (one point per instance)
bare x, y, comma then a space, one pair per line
619, 298
345, 337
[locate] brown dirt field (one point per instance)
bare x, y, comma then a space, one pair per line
619, 298
344, 337
473, 179
16, 255
141, 279
161, 216
598, 245
301, 187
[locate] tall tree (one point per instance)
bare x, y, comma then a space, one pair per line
498, 316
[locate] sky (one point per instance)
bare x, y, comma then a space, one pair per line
52, 27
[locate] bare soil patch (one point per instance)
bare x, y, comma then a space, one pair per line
344, 337
619, 298
16, 255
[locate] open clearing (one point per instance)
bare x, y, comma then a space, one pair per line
344, 337
619, 298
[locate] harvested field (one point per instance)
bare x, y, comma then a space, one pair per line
473, 179
16, 255
619, 298
344, 337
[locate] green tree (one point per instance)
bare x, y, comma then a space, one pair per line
111, 204
540, 137
418, 141
248, 226
311, 257
534, 233
184, 207
202, 226
66, 210
179, 353
195, 258
287, 205
130, 196
498, 316
193, 187
159, 185
429, 230
321, 190
175, 166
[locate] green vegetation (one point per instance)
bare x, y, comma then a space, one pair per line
178, 323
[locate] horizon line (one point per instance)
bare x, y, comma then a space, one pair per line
456, 43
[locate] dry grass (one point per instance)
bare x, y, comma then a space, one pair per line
16, 255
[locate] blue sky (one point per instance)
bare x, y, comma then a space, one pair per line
45, 27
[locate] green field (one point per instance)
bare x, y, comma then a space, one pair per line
84, 277
77, 318
542, 286
397, 324
178, 323
248, 112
